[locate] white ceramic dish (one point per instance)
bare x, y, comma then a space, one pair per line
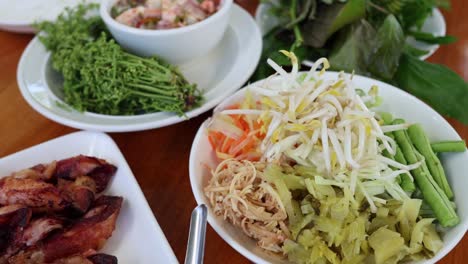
218, 74
19, 15
174, 45
434, 24
137, 238
396, 101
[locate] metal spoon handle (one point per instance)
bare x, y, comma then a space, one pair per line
196, 239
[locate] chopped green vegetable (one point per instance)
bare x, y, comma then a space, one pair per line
449, 146
274, 175
387, 244
431, 239
421, 142
99, 76
433, 195
405, 180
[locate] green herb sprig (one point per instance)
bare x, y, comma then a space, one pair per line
99, 76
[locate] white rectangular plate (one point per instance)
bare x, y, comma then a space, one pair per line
137, 237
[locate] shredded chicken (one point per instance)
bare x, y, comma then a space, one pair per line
239, 193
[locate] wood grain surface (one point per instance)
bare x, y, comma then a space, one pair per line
159, 157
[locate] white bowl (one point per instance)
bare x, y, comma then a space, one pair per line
396, 101
173, 45
20, 15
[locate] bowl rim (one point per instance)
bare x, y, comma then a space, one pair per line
106, 5
249, 254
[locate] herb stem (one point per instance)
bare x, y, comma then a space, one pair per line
297, 31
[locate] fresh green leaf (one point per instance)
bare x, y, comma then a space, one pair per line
431, 39
331, 18
389, 44
435, 84
352, 46
410, 13
414, 51
415, 12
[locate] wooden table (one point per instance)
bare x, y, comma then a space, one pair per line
159, 158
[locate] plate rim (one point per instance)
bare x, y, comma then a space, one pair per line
103, 137
245, 252
250, 65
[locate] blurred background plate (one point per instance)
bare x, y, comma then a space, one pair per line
19, 15
218, 74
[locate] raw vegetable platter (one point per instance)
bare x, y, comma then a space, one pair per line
204, 160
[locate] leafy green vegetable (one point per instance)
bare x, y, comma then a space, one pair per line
350, 51
431, 39
331, 18
100, 77
410, 13
389, 45
444, 90
373, 45
414, 51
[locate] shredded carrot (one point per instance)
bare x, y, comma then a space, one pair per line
246, 146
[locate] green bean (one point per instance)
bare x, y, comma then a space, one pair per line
449, 146
432, 193
406, 182
421, 142
403, 180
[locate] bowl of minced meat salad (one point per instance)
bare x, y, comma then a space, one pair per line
175, 30
162, 14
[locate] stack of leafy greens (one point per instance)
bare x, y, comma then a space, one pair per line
369, 38
99, 76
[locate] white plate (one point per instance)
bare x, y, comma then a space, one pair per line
19, 15
397, 102
137, 238
434, 24
218, 74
